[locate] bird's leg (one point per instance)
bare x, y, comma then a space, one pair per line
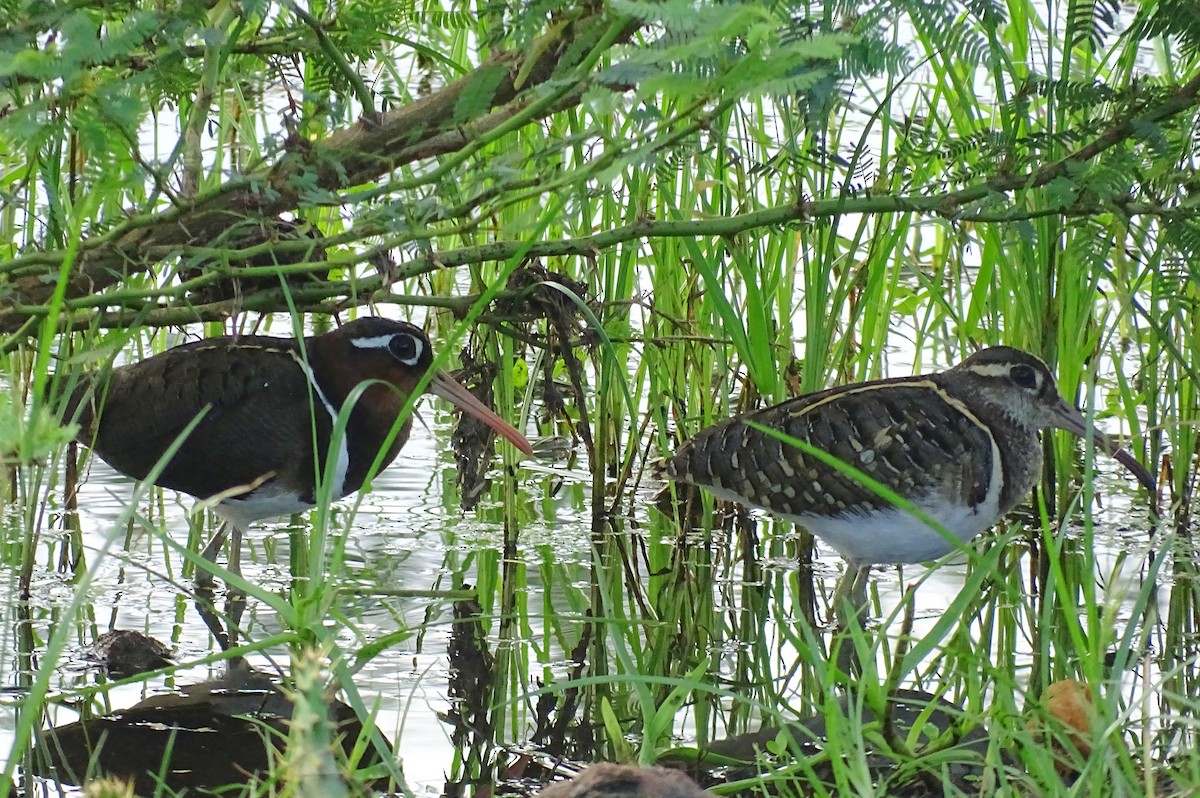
235, 606
850, 609
858, 589
852, 588
208, 613
234, 561
227, 628
204, 577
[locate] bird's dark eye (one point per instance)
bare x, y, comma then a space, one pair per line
1024, 376
406, 348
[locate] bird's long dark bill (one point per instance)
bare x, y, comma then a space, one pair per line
1072, 420
448, 388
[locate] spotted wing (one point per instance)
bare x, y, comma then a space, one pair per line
905, 433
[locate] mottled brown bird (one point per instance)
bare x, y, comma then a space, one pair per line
960, 446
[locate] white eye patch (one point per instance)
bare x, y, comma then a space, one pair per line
374, 342
405, 347
990, 369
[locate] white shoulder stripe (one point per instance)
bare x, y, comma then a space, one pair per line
343, 455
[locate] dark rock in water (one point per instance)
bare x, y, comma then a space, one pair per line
125, 652
208, 735
623, 781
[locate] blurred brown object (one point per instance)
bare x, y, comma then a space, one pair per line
1071, 706
624, 781
1070, 702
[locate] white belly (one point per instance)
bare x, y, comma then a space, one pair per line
268, 501
894, 535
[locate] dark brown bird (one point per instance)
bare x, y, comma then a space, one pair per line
264, 412
961, 447
200, 738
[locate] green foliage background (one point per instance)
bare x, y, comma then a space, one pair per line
679, 210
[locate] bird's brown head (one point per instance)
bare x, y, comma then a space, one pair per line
399, 354
1023, 388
